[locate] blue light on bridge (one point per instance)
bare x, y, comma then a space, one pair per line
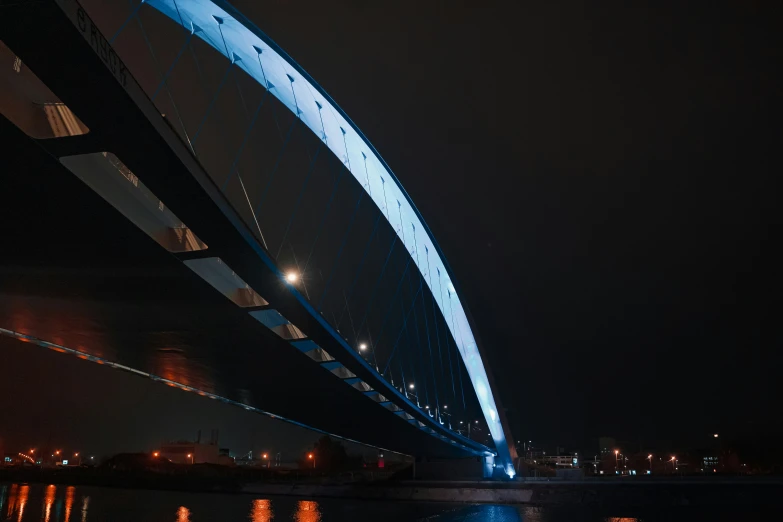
230, 33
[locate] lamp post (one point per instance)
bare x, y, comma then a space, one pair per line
190, 456
616, 453
649, 457
265, 456
312, 457
76, 455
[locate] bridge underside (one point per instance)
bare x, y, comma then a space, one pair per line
76, 272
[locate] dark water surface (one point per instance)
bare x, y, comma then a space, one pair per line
32, 502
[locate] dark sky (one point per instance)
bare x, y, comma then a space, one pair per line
599, 177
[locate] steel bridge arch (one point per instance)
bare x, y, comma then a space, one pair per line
231, 34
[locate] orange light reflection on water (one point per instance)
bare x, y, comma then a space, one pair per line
183, 514
12, 500
69, 502
261, 511
23, 492
51, 490
307, 511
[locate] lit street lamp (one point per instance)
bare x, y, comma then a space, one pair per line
292, 277
311, 456
616, 453
649, 457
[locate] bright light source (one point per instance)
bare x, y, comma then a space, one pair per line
363, 346
291, 277
411, 386
155, 454
616, 452
715, 435
75, 454
445, 406
310, 455
189, 455
426, 407
649, 456
265, 455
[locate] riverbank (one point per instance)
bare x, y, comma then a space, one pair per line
667, 492
648, 491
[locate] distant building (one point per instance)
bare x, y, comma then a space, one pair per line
187, 452
561, 461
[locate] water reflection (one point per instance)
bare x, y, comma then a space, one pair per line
51, 490
69, 502
621, 519
307, 511
183, 514
261, 511
23, 492
85, 505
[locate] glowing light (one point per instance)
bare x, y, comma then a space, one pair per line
411, 386
291, 277
265, 456
154, 454
309, 455
616, 452
715, 435
363, 346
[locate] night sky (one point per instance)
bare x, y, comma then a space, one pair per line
599, 178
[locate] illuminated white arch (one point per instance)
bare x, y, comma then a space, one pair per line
230, 33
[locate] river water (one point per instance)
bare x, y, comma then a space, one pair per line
39, 502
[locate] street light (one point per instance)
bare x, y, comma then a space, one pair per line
190, 456
411, 386
154, 454
715, 435
291, 277
616, 453
649, 457
311, 456
363, 346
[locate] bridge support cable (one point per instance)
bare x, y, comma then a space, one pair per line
375, 286
288, 136
340, 251
434, 314
404, 328
408, 344
359, 268
337, 179
391, 302
157, 69
245, 138
214, 99
131, 16
426, 325
448, 348
310, 170
456, 346
166, 75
